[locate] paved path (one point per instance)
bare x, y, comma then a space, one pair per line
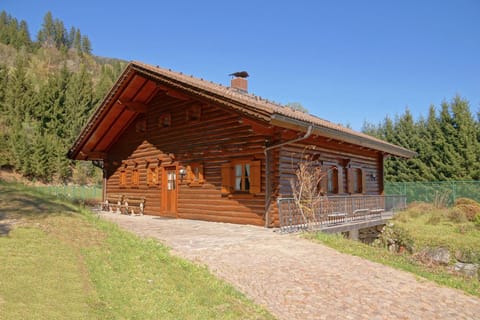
297, 279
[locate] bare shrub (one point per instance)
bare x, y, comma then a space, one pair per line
456, 215
470, 208
306, 189
440, 199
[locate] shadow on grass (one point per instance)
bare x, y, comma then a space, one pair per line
4, 229
19, 202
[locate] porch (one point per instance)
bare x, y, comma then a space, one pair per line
339, 213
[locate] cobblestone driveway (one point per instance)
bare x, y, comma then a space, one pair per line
297, 279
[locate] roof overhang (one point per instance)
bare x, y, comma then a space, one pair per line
346, 136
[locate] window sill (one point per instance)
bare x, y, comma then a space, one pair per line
241, 195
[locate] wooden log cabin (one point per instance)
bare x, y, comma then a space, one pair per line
199, 150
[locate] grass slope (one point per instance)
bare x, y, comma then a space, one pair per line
59, 262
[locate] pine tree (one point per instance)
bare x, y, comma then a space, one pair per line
77, 41
24, 35
451, 157
20, 104
425, 153
86, 45
5, 154
60, 35
46, 35
71, 37
110, 73
52, 111
466, 140
3, 87
79, 102
20, 101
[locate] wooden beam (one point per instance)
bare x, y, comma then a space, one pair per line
134, 106
173, 93
264, 129
96, 155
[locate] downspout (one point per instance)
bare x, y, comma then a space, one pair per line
267, 167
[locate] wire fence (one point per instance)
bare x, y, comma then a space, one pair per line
430, 191
74, 192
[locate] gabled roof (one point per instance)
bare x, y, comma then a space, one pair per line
139, 83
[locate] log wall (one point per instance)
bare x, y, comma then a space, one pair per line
218, 137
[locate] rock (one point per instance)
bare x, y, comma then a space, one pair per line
435, 255
468, 269
392, 247
466, 256
440, 255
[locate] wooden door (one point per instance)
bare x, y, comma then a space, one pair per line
169, 191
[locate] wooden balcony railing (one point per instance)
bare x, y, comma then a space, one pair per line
334, 210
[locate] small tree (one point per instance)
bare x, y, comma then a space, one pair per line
306, 187
297, 106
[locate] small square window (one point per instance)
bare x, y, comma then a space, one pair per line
141, 125
165, 121
152, 176
123, 178
135, 177
242, 177
194, 113
195, 174
332, 180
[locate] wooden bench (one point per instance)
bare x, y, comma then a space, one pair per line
134, 205
124, 204
359, 213
113, 203
377, 212
336, 217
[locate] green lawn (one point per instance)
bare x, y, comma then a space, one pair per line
428, 227
59, 262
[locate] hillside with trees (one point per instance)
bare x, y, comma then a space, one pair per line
447, 143
48, 88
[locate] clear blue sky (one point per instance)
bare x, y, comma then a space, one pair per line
345, 61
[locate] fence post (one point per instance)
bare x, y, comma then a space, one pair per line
454, 192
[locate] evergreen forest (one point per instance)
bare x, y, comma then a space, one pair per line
50, 84
447, 143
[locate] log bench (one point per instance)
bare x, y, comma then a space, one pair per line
113, 203
124, 204
134, 205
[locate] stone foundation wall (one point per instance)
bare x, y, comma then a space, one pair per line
368, 235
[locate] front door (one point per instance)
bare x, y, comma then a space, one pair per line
169, 191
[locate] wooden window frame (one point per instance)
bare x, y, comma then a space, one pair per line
153, 178
195, 175
244, 178
356, 180
141, 126
194, 113
332, 180
165, 120
229, 177
135, 178
122, 178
